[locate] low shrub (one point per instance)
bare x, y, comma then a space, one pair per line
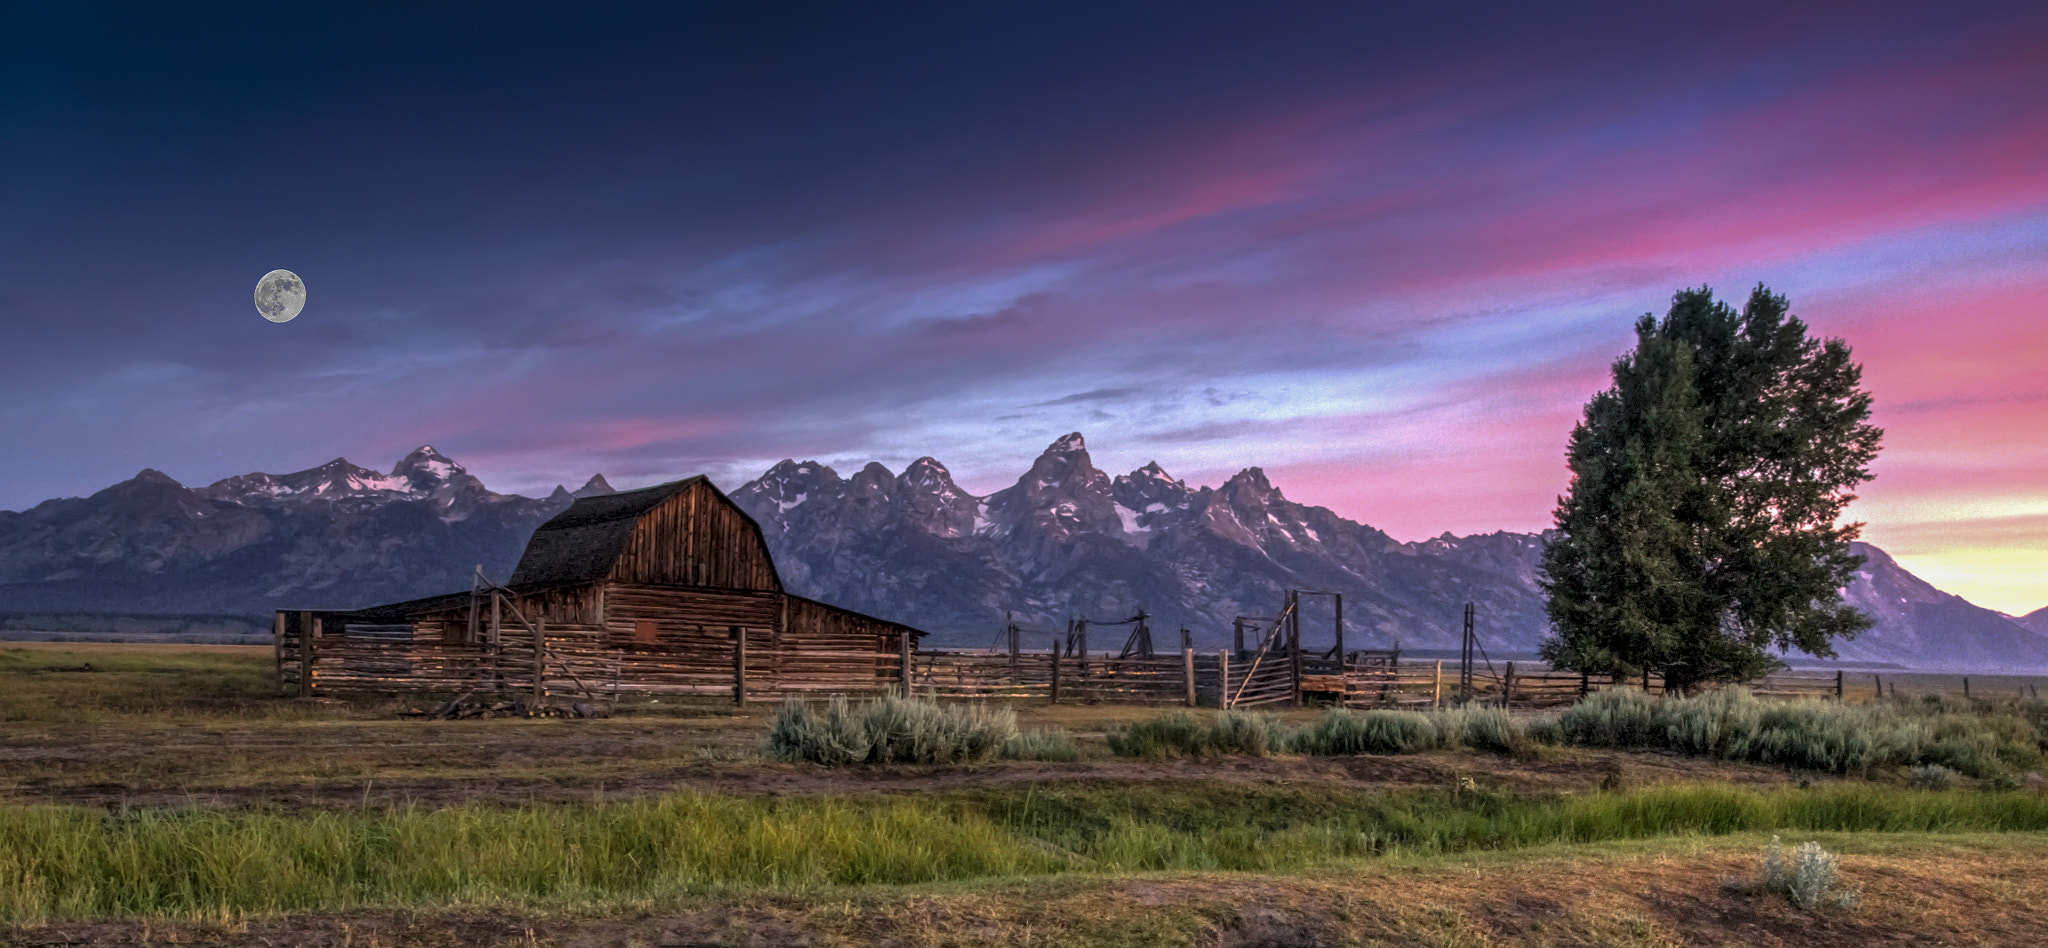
1484, 728
1807, 879
1342, 731
1174, 734
1183, 734
1041, 744
1732, 724
1931, 777
889, 730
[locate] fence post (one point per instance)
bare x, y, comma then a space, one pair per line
1966, 688
1507, 687
1294, 643
540, 662
739, 665
1187, 668
1436, 694
1838, 684
1223, 675
903, 660
309, 634
1055, 676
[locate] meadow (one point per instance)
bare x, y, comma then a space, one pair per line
161, 794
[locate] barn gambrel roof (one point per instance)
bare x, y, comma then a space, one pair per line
583, 543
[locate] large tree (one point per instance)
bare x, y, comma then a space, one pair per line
1702, 528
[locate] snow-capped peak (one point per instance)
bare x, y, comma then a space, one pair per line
427, 465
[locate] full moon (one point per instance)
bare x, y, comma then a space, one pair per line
280, 295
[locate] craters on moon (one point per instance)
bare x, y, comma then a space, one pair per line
280, 295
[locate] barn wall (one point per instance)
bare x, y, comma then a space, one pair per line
825, 644
697, 538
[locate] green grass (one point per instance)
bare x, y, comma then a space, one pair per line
69, 862
50, 683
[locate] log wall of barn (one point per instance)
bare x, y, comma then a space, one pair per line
696, 538
826, 644
650, 640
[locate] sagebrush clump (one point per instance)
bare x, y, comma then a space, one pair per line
1931, 777
1342, 731
1732, 724
1807, 878
1182, 734
889, 730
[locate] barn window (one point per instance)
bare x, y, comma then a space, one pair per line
643, 631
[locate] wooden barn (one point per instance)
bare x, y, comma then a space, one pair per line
663, 590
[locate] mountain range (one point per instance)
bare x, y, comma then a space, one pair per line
1065, 541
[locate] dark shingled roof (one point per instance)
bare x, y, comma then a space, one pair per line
581, 543
404, 611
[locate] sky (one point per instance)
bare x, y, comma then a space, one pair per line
1386, 253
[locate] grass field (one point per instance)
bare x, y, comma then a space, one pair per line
159, 795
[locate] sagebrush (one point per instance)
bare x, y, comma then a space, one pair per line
1808, 878
889, 730
1732, 724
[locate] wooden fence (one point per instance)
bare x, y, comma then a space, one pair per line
318, 656
576, 661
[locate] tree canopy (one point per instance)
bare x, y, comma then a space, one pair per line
1701, 528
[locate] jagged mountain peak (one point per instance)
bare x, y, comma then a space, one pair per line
426, 467
1250, 488
872, 480
1148, 499
150, 475
789, 470
1251, 478
1152, 471
787, 485
594, 487
1062, 495
926, 473
1068, 444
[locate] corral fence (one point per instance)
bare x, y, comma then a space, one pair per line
1229, 679
319, 654
1536, 686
